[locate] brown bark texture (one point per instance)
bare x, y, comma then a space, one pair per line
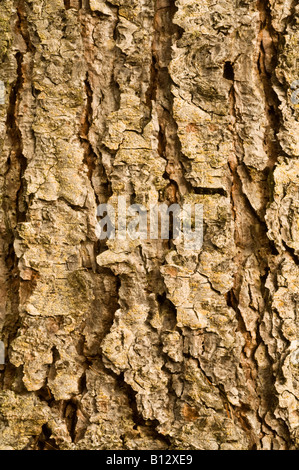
143, 344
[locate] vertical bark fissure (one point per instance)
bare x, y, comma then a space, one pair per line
93, 159
240, 205
14, 134
270, 40
13, 202
90, 157
165, 31
267, 63
260, 246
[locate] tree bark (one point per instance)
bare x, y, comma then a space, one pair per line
143, 344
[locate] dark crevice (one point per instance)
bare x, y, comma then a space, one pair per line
13, 204
45, 395
270, 40
228, 71
234, 412
267, 379
211, 191
83, 383
151, 93
232, 302
14, 134
159, 90
71, 418
44, 441
292, 18
136, 416
22, 26
90, 158
93, 156
260, 245
168, 312
292, 252
131, 394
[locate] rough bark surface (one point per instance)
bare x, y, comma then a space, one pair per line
143, 344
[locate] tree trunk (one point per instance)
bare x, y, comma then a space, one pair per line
144, 344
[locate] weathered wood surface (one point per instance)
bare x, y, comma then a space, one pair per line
144, 345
